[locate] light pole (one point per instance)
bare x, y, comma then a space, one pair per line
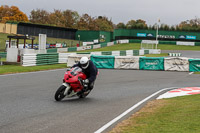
157, 26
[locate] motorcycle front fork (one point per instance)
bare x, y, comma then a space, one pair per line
67, 88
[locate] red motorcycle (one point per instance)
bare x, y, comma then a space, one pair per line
72, 85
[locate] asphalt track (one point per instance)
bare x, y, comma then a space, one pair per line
27, 102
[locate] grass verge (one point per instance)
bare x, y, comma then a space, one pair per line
175, 115
8, 69
136, 46
3, 59
196, 72
157, 55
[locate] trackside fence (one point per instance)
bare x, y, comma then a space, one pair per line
141, 63
55, 58
127, 59
3, 54
116, 61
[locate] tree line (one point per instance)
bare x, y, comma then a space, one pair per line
72, 19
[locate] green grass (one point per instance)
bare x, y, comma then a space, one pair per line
70, 43
176, 47
136, 46
3, 59
196, 72
157, 55
127, 46
7, 69
175, 115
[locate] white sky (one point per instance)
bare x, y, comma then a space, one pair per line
170, 12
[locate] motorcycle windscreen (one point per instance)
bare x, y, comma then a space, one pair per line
76, 70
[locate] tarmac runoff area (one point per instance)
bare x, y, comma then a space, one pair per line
180, 92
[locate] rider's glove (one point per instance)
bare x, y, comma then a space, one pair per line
86, 81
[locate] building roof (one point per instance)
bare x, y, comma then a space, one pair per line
22, 37
46, 26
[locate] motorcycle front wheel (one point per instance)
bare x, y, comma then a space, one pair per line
59, 95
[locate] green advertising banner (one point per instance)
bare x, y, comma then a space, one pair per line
103, 61
194, 65
151, 63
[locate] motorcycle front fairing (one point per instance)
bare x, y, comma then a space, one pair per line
73, 78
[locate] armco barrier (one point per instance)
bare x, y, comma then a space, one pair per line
125, 53
28, 60
110, 43
122, 53
107, 53
44, 59
72, 49
94, 46
3, 54
60, 50
54, 50
115, 53
135, 52
55, 58
117, 62
103, 45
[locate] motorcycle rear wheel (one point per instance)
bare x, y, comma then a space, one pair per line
59, 95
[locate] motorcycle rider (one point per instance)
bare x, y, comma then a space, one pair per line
90, 71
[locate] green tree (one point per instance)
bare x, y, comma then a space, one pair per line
56, 18
71, 18
39, 16
104, 24
131, 24
190, 25
164, 27
83, 23
121, 26
141, 24
136, 24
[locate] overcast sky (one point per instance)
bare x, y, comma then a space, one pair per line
170, 12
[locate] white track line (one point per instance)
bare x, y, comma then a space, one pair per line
31, 72
129, 110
